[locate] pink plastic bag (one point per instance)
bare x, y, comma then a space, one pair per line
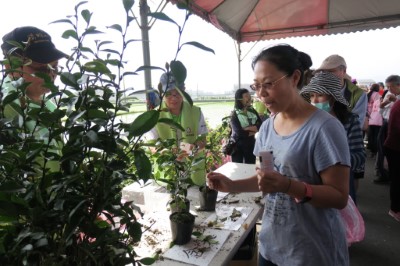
354, 223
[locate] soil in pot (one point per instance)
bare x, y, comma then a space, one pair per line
179, 207
208, 199
182, 224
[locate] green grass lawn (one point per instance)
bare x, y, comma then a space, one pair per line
213, 111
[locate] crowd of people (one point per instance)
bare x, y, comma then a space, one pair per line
313, 127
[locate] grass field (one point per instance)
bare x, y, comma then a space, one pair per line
213, 111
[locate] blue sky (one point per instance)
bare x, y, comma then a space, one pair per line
369, 55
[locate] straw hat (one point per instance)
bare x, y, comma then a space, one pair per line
324, 83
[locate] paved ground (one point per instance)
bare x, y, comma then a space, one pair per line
381, 246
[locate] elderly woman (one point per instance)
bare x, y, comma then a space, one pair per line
301, 224
323, 92
190, 117
245, 123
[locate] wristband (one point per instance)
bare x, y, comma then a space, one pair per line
308, 194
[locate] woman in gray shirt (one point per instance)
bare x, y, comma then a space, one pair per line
310, 181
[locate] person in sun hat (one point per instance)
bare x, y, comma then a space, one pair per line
28, 51
190, 117
356, 97
323, 91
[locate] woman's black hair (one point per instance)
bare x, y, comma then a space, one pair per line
341, 111
286, 58
374, 88
238, 98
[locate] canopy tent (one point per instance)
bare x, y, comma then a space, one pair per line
256, 20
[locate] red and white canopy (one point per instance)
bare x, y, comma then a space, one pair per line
255, 20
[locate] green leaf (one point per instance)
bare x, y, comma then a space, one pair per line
10, 98
90, 138
70, 33
27, 247
47, 119
130, 19
178, 71
114, 62
112, 51
128, 73
86, 15
162, 16
79, 4
197, 233
135, 231
87, 50
144, 123
143, 165
97, 67
102, 224
41, 242
149, 67
73, 117
100, 44
11, 187
71, 214
187, 97
63, 21
16, 108
171, 122
128, 4
147, 261
68, 79
116, 27
199, 45
95, 113
91, 30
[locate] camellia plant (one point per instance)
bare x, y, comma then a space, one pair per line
73, 214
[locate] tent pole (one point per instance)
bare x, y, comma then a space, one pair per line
239, 55
144, 9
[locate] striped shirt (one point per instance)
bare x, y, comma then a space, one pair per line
356, 143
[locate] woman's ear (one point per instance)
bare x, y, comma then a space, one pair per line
296, 78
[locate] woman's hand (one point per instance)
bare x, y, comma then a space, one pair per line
272, 181
219, 182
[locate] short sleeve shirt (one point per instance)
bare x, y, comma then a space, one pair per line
300, 234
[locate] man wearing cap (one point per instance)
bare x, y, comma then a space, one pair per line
356, 97
190, 117
28, 51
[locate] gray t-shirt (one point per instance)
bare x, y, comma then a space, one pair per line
300, 234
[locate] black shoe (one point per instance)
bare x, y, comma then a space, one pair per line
381, 180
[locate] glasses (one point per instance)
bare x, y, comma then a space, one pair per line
266, 85
169, 95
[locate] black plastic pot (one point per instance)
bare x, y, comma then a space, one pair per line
182, 224
208, 199
175, 208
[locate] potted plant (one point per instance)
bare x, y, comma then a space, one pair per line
174, 172
73, 214
214, 159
